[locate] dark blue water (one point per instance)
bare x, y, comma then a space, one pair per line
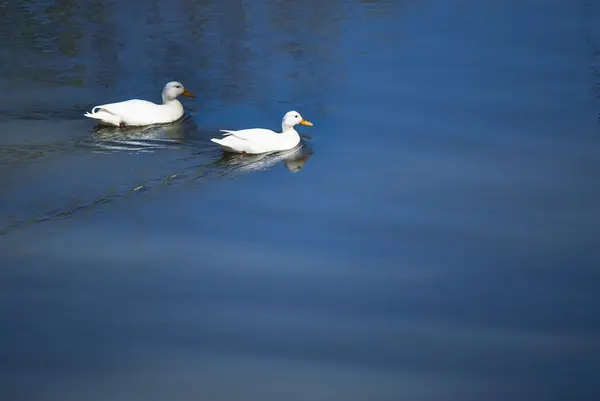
437, 237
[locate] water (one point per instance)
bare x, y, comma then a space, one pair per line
436, 237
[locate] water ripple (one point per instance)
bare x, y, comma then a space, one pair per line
227, 165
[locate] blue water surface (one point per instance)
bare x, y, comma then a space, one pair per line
436, 236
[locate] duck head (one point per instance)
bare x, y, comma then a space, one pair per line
174, 89
293, 118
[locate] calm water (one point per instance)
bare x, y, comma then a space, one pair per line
437, 237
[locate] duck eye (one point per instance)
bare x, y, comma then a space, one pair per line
296, 116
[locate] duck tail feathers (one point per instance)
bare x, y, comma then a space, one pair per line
99, 113
221, 143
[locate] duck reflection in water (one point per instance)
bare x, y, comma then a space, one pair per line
165, 132
152, 136
293, 159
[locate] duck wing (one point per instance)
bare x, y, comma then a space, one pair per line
134, 110
255, 135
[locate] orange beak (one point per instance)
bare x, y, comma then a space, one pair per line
187, 93
304, 122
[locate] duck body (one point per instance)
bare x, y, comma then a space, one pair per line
260, 140
137, 113
257, 140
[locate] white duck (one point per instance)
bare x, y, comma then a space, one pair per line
259, 140
139, 113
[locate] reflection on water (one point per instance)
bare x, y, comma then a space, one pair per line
442, 244
168, 132
293, 160
141, 139
296, 162
114, 48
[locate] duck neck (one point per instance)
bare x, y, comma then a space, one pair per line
287, 129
